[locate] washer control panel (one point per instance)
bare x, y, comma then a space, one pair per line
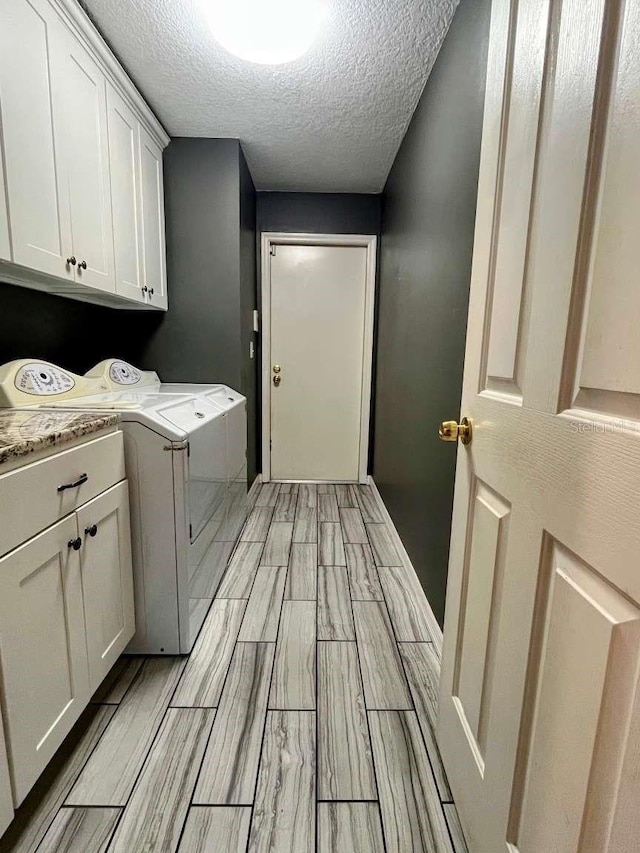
43, 380
29, 382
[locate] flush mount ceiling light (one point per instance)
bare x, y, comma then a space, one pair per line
267, 32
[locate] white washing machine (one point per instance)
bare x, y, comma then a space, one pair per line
118, 375
180, 491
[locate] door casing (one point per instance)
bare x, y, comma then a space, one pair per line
368, 241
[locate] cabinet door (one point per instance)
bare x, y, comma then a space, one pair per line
154, 251
43, 649
125, 196
36, 180
107, 579
81, 87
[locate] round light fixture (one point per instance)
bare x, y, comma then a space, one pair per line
267, 32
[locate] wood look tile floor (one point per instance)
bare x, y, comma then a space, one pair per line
302, 722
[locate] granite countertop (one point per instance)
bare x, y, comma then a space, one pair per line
23, 432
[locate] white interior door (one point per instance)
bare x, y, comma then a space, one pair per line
317, 353
539, 722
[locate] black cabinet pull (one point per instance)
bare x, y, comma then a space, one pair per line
76, 544
91, 531
81, 479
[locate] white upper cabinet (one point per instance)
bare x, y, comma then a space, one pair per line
81, 88
154, 251
83, 163
125, 196
36, 184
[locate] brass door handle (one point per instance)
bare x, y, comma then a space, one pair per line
277, 379
452, 431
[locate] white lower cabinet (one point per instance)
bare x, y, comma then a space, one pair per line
45, 673
66, 615
107, 579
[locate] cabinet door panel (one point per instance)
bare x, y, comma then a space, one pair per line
43, 649
107, 579
154, 254
125, 196
36, 180
81, 86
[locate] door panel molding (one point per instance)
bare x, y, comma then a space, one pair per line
370, 243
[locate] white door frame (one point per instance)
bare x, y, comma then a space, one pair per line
370, 243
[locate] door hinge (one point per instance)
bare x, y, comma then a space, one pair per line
270, 444
190, 531
188, 450
272, 250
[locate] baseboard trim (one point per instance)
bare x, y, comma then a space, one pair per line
434, 628
252, 494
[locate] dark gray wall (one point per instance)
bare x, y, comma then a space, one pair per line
75, 335
198, 339
319, 213
427, 238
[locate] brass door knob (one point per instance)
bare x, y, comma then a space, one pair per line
277, 379
276, 368
452, 431
72, 261
82, 265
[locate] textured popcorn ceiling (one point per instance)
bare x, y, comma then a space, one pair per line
332, 121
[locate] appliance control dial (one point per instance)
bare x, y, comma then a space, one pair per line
43, 380
124, 374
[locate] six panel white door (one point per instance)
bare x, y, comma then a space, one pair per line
125, 196
37, 190
107, 579
42, 633
153, 231
6, 795
5, 243
81, 88
318, 303
539, 722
